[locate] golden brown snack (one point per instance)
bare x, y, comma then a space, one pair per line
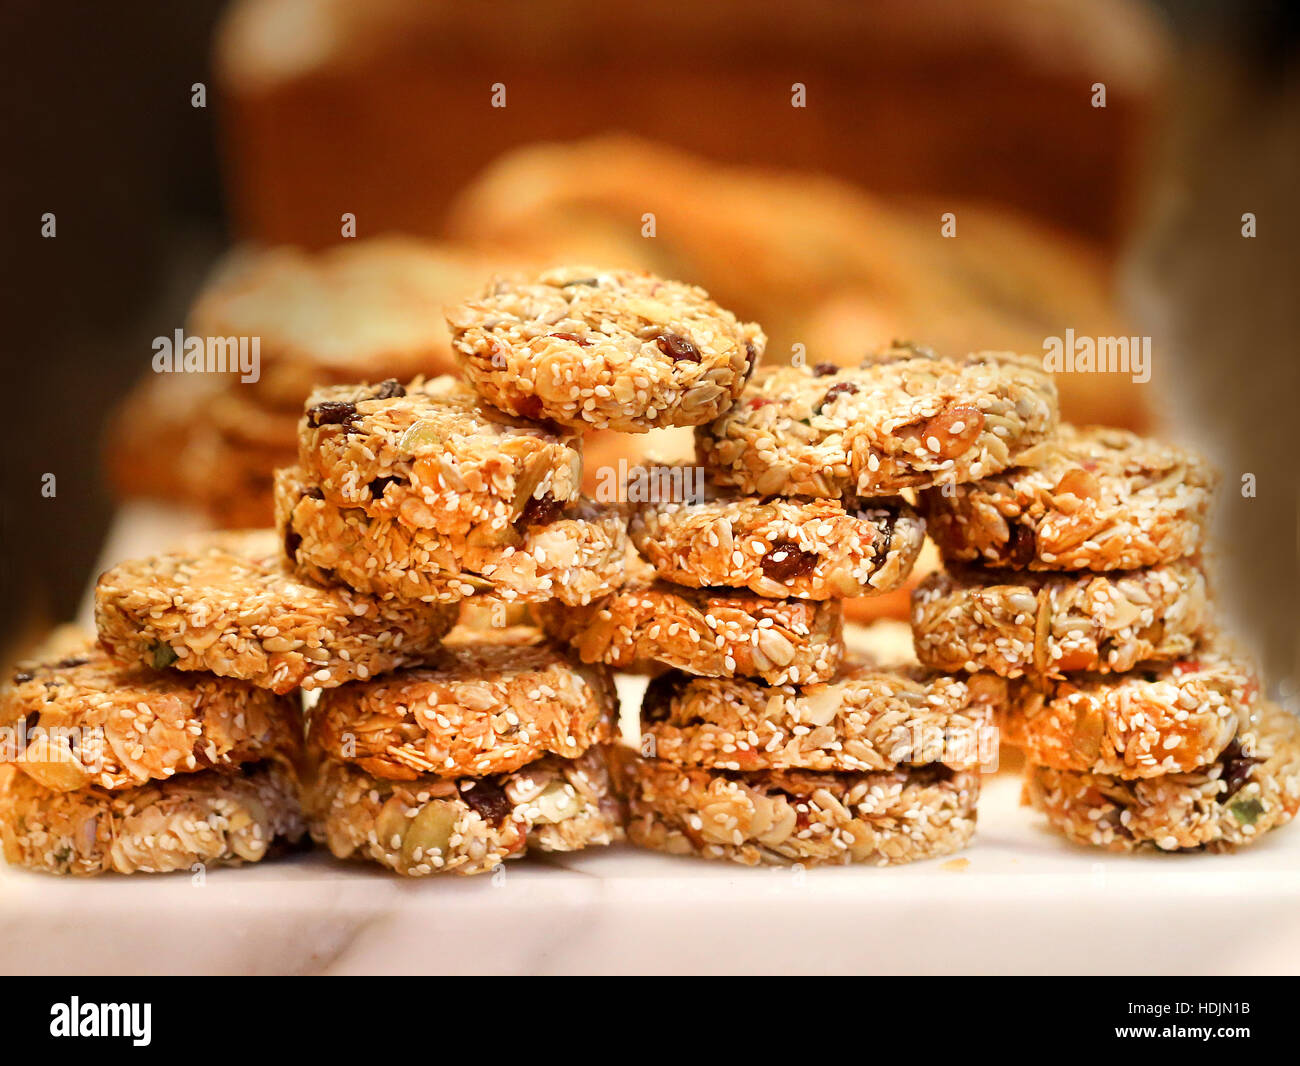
213, 818
1093, 499
906, 418
433, 825
1018, 622
233, 607
480, 708
605, 349
1252, 787
88, 720
709, 632
784, 817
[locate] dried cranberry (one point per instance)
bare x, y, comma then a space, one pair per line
331, 413
539, 510
677, 348
821, 370
1236, 768
380, 485
488, 800
786, 561
530, 407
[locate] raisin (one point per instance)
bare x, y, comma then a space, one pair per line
677, 348
786, 561
840, 388
1020, 548
488, 800
387, 389
22, 677
380, 485
821, 370
68, 664
31, 721
884, 514
291, 542
581, 342
539, 510
332, 413
1236, 768
313, 493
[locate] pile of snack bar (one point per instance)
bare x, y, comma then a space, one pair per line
781, 748
414, 667
1076, 603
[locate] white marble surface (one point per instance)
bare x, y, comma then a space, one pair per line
1019, 900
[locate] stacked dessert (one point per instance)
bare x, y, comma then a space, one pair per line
114, 766
422, 496
764, 743
1075, 601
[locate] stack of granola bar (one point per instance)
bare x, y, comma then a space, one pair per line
111, 765
1075, 600
764, 742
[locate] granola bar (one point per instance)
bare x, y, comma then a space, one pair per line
86, 720
434, 455
620, 350
575, 557
434, 825
1018, 622
481, 708
213, 818
233, 607
785, 817
1163, 718
710, 632
906, 418
864, 719
1096, 499
812, 549
1253, 786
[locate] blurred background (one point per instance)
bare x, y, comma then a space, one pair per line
197, 157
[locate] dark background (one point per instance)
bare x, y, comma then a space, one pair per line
98, 128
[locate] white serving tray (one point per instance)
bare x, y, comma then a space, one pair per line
1019, 900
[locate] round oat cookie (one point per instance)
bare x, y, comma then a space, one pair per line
811, 549
1163, 718
1252, 787
574, 557
479, 708
906, 418
1096, 498
710, 632
86, 719
362, 311
213, 818
233, 607
433, 825
596, 349
1017, 622
434, 455
785, 817
864, 719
